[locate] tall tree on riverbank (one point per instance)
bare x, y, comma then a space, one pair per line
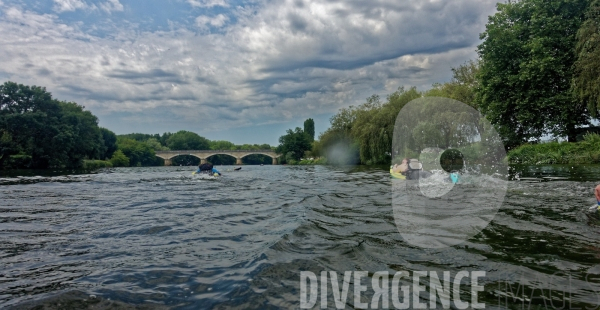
373, 128
309, 129
80, 135
527, 58
586, 83
110, 143
293, 144
51, 133
336, 143
29, 121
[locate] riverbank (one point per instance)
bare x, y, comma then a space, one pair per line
586, 151
316, 161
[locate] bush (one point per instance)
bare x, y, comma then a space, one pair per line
318, 161
119, 159
18, 162
584, 152
96, 164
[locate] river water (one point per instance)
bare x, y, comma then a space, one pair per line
160, 237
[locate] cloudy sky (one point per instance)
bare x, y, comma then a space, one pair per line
243, 70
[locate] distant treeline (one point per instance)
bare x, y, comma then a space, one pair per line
537, 75
37, 131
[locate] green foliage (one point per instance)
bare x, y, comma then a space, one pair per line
154, 144
463, 85
53, 133
527, 59
434, 128
221, 159
95, 164
586, 82
80, 137
119, 159
141, 137
139, 153
221, 145
373, 128
309, 129
165, 136
187, 140
257, 159
584, 152
294, 144
317, 161
18, 162
364, 133
110, 142
338, 147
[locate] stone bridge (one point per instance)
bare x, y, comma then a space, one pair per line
204, 154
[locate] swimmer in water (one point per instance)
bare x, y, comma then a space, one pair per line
402, 167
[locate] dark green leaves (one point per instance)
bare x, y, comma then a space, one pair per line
527, 59
51, 132
294, 144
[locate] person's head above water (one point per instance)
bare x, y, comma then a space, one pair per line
403, 166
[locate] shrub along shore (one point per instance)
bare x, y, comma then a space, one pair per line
583, 152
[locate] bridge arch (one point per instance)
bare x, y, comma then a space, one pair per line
204, 154
269, 155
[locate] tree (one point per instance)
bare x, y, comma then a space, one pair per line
119, 159
187, 140
221, 145
527, 59
85, 137
29, 121
53, 133
463, 85
338, 147
142, 137
110, 142
373, 127
294, 143
139, 153
257, 159
586, 82
165, 136
433, 122
309, 129
154, 144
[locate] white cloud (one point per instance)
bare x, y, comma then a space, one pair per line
73, 5
277, 61
111, 5
207, 3
68, 5
218, 21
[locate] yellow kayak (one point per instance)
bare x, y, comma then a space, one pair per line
397, 175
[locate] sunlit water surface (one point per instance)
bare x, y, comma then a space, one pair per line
160, 236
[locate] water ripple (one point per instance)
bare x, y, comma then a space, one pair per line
162, 237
